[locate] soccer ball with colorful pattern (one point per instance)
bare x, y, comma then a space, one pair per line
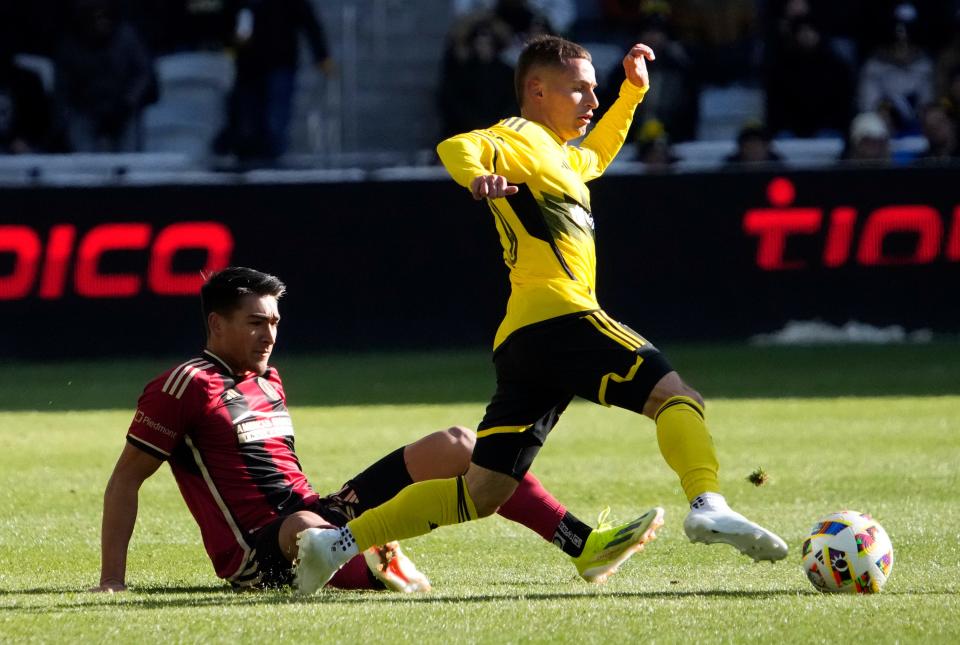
848, 552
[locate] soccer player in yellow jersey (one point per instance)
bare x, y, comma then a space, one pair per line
555, 341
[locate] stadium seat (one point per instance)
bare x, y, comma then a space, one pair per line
198, 69
724, 110
191, 110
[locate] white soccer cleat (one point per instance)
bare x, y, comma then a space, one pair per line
317, 559
729, 527
394, 569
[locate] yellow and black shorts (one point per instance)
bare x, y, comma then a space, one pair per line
541, 367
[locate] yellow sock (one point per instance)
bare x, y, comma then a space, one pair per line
416, 510
686, 445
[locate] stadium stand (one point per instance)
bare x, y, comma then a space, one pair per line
190, 112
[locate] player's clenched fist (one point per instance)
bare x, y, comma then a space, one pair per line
492, 187
635, 64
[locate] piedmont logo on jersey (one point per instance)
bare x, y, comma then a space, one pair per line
147, 421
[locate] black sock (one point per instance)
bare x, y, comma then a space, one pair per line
571, 535
380, 481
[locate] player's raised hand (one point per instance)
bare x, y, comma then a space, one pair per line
635, 64
491, 187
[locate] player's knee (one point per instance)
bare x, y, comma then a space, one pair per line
670, 386
693, 394
462, 439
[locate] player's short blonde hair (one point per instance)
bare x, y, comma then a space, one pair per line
548, 51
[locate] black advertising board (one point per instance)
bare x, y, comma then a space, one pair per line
380, 265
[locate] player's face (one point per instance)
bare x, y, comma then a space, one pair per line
565, 98
246, 337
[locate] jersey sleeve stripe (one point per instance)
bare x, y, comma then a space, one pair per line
189, 374
177, 372
148, 447
496, 149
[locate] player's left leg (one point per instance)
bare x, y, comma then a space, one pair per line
445, 454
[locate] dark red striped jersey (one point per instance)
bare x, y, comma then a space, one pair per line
229, 441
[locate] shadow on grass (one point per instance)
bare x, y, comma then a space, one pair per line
218, 595
404, 378
222, 596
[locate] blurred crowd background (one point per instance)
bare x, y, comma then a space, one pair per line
299, 84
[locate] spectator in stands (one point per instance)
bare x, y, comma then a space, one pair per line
951, 93
24, 107
754, 146
476, 85
869, 140
898, 79
674, 97
940, 131
721, 35
171, 26
803, 98
653, 147
558, 15
104, 79
267, 57
948, 60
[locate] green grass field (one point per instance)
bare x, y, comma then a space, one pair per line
875, 429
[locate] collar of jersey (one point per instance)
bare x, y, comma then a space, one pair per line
219, 362
550, 133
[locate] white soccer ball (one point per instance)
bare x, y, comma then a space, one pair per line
848, 552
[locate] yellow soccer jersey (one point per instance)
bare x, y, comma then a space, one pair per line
546, 229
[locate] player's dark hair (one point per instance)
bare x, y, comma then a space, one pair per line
224, 289
549, 51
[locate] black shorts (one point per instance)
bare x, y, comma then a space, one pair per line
268, 567
382, 480
540, 368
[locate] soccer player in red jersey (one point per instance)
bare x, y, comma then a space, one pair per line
222, 422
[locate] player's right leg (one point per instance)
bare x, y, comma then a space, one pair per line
619, 367
687, 447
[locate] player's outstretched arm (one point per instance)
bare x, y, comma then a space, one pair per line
120, 515
603, 143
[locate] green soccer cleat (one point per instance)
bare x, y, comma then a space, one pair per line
610, 546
